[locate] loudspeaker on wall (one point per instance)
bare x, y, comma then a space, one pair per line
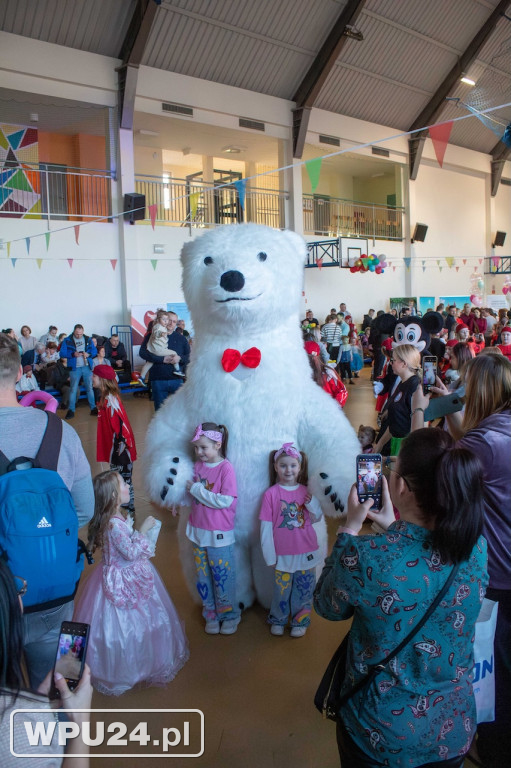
499, 238
419, 233
136, 204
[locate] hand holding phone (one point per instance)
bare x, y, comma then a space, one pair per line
369, 473
70, 656
429, 372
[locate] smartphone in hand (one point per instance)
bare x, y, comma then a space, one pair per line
369, 483
429, 372
70, 656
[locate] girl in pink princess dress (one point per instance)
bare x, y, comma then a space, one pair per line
136, 635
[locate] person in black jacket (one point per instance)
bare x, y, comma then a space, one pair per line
115, 351
162, 376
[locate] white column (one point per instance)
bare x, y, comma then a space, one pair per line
127, 232
290, 180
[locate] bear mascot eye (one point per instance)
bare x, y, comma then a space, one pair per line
262, 256
208, 260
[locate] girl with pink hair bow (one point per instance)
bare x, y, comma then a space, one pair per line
211, 528
289, 541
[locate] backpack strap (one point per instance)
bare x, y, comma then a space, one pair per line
47, 456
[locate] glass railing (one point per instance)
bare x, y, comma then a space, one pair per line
335, 217
46, 192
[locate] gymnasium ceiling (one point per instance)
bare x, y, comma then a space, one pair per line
387, 69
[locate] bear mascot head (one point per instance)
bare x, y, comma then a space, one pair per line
248, 371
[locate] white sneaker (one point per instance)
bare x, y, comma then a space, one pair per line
212, 627
298, 631
277, 629
229, 627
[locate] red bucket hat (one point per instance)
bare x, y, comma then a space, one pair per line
104, 372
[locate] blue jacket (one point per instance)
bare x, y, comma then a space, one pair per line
68, 349
163, 371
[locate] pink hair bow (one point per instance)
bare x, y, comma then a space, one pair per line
289, 450
216, 436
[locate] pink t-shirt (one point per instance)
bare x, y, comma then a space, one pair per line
218, 479
293, 533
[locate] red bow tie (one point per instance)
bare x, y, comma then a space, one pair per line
232, 358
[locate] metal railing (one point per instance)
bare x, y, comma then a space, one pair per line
335, 217
43, 192
185, 203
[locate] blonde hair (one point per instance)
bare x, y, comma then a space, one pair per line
487, 388
409, 355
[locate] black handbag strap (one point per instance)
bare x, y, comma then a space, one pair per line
376, 668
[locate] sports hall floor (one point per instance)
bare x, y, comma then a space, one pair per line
255, 690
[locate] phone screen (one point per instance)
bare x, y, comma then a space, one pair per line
428, 373
71, 653
369, 469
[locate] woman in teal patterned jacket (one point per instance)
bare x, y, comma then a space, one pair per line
419, 712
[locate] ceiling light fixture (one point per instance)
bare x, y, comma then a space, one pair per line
146, 132
233, 150
353, 33
467, 80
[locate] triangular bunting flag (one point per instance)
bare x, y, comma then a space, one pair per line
423, 269
450, 261
194, 201
480, 261
70, 262
77, 233
47, 238
314, 169
240, 186
440, 268
153, 210
440, 137
154, 262
39, 262
457, 269
495, 260
319, 262
438, 262
27, 241
14, 262
113, 262
407, 260
8, 250
464, 261
393, 269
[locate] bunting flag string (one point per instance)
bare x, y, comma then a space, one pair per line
501, 130
154, 262
440, 135
153, 210
77, 233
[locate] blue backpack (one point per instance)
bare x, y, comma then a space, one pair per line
39, 524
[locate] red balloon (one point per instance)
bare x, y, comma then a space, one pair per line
378, 270
354, 269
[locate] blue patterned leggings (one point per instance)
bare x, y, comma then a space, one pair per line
216, 582
292, 594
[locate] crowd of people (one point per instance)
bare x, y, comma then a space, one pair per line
445, 513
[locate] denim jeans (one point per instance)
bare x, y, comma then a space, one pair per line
75, 376
162, 388
41, 631
292, 593
216, 582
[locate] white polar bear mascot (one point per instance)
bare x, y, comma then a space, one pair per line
242, 284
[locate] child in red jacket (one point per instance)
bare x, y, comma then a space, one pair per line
115, 440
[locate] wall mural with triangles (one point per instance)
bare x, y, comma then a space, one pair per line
20, 193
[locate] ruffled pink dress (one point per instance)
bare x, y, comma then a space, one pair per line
136, 635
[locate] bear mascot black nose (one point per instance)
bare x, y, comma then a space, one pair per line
232, 281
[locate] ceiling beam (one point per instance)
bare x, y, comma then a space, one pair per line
308, 90
132, 53
431, 111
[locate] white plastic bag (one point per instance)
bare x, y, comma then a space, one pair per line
484, 668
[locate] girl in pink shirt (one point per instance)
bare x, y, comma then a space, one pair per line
289, 540
211, 528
